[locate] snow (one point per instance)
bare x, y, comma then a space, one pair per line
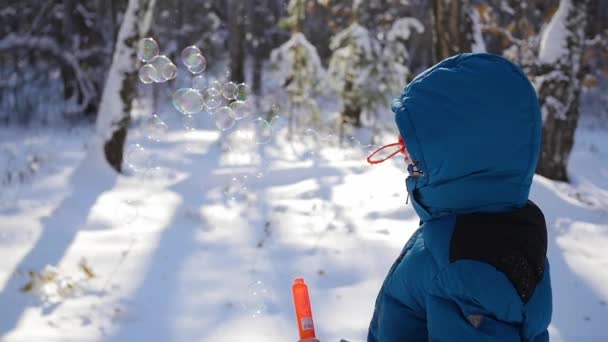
402, 28
478, 43
175, 251
283, 59
553, 45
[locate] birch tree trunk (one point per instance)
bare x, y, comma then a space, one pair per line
116, 102
559, 85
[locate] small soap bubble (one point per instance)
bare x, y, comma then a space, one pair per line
259, 299
187, 101
147, 49
189, 56
135, 159
224, 118
263, 131
154, 128
243, 92
200, 66
229, 90
160, 63
240, 109
211, 99
148, 74
200, 82
189, 122
256, 131
214, 88
169, 71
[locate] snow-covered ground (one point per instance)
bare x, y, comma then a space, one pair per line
203, 243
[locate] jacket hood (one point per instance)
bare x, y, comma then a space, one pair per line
473, 125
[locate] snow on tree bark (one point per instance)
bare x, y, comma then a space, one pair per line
559, 85
116, 102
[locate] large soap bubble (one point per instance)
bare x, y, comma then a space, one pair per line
230, 90
147, 49
240, 109
161, 63
187, 101
224, 118
147, 74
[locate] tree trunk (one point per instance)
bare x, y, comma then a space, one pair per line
453, 28
559, 86
236, 41
116, 102
69, 33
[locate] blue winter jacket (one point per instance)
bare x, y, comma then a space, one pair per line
476, 269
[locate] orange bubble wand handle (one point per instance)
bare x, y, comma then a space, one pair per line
301, 302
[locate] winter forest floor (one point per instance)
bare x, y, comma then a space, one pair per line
204, 246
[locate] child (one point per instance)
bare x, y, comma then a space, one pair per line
476, 269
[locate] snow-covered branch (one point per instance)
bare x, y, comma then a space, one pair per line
53, 48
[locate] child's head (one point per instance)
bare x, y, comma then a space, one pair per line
472, 127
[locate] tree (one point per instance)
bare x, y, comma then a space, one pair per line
299, 70
559, 85
456, 29
350, 71
236, 40
119, 91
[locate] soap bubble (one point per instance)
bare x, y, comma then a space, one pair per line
263, 131
190, 56
243, 92
135, 159
259, 299
214, 88
147, 74
160, 63
256, 131
200, 67
223, 118
147, 49
168, 71
200, 82
227, 74
189, 123
187, 101
240, 109
211, 99
154, 128
236, 190
229, 90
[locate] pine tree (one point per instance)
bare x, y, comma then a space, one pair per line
350, 69
299, 70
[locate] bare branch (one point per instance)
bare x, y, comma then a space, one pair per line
503, 31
